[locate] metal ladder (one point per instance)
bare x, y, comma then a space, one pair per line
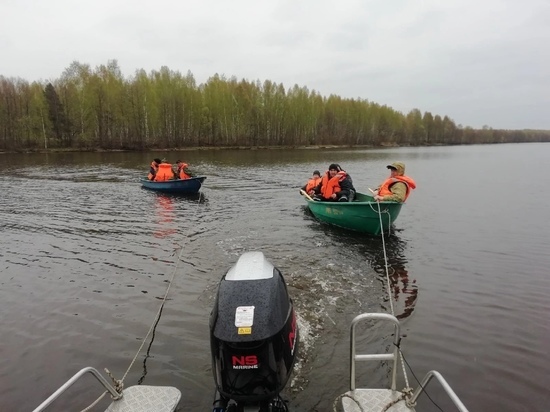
387, 400
133, 399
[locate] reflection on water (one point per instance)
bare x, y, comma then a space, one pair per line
403, 290
168, 206
401, 286
164, 217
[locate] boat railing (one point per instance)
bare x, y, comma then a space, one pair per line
374, 357
134, 398
435, 374
394, 356
94, 372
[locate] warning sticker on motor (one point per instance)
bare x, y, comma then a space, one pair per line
244, 316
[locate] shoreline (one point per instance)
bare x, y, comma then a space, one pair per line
198, 148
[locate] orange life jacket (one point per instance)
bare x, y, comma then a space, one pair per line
164, 172
312, 183
181, 171
387, 184
155, 167
329, 186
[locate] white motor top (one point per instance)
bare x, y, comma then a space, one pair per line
251, 266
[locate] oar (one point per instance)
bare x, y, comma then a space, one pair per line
303, 193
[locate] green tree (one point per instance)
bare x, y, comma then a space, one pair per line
56, 113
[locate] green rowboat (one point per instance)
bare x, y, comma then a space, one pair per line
361, 215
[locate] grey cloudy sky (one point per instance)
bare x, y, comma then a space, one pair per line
481, 62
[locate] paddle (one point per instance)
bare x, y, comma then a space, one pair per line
303, 193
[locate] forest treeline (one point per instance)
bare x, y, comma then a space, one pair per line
101, 109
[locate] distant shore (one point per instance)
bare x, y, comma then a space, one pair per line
183, 149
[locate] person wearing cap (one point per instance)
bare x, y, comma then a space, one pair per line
397, 187
336, 186
181, 171
313, 182
154, 168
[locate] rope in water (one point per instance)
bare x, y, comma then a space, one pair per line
407, 391
386, 211
119, 383
407, 387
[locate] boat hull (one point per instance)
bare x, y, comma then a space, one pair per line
180, 186
361, 215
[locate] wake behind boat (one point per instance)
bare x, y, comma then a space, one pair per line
177, 186
364, 214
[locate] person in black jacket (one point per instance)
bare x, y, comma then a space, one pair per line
154, 168
336, 185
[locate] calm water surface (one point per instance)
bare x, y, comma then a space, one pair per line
86, 255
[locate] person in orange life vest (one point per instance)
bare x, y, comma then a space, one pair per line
164, 172
181, 172
336, 185
313, 182
397, 187
154, 167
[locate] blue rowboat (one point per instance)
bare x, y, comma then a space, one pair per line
179, 186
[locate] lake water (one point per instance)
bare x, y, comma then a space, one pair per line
86, 255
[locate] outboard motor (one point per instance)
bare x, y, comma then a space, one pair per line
253, 337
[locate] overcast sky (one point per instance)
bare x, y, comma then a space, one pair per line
482, 62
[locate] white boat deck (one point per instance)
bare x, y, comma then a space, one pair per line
374, 400
144, 398
139, 398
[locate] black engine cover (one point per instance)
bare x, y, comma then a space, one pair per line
253, 331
